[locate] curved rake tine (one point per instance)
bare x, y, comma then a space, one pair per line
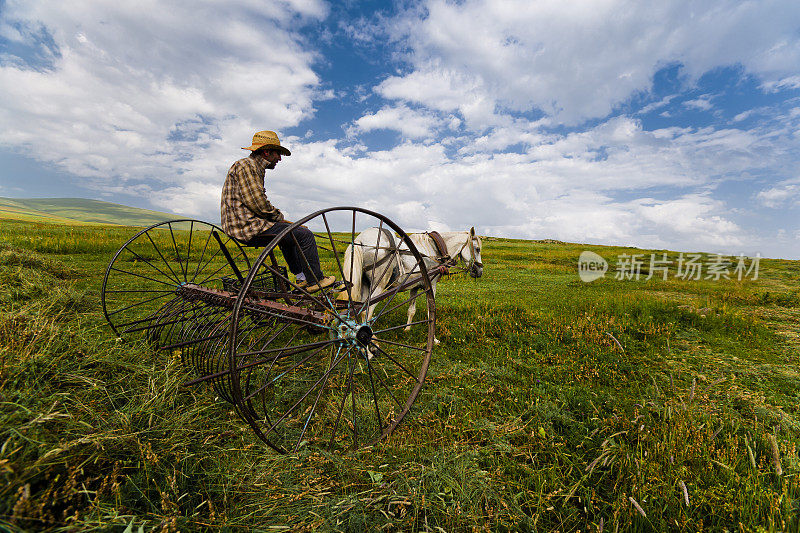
159, 324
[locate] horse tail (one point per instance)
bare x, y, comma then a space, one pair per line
354, 262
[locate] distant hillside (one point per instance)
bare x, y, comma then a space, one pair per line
78, 211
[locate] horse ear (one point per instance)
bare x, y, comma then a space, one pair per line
472, 231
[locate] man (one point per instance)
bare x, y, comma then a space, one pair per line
249, 217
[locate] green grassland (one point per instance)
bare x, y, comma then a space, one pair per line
77, 211
550, 405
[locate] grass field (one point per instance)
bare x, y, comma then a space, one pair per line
550, 405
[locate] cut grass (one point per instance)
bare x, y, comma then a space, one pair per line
550, 405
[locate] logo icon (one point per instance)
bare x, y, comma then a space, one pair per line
591, 266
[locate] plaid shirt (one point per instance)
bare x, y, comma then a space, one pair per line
246, 212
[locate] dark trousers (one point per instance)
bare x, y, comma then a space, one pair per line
298, 248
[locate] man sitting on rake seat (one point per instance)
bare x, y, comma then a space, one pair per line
249, 217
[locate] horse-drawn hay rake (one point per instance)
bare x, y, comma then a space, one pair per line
300, 368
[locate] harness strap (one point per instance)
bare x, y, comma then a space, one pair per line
441, 247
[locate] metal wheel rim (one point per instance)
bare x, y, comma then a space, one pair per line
241, 401
239, 251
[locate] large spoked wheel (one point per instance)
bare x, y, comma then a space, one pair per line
334, 368
142, 283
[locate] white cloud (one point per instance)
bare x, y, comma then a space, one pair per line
137, 92
576, 61
410, 123
789, 82
781, 194
703, 103
657, 105
567, 186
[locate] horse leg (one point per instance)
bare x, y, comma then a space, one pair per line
412, 309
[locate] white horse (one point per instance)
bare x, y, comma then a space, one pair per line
376, 260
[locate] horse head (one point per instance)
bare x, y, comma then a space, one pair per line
471, 254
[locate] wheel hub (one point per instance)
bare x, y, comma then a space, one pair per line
364, 335
354, 332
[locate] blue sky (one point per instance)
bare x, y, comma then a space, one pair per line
662, 124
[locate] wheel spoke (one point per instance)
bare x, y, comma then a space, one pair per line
387, 341
402, 326
352, 252
158, 251
401, 304
298, 402
177, 253
374, 262
392, 359
188, 252
316, 400
152, 265
143, 277
202, 255
112, 313
344, 397
405, 279
284, 361
294, 350
374, 395
347, 285
211, 276
137, 291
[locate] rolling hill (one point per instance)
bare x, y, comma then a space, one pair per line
78, 211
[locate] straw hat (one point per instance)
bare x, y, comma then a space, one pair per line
267, 138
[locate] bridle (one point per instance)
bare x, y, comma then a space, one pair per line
446, 260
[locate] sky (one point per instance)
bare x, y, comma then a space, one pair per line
666, 125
